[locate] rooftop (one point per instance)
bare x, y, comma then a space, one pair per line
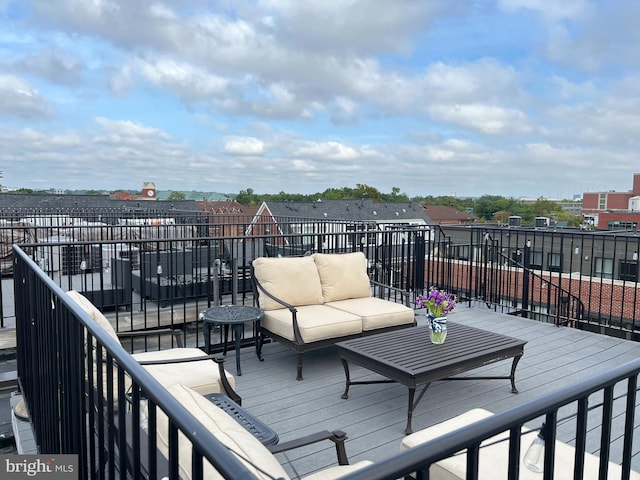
374, 416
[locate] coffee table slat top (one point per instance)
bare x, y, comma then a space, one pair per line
410, 351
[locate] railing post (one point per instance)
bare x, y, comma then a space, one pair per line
526, 261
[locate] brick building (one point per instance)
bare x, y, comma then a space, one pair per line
613, 210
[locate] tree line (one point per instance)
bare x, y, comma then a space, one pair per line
487, 208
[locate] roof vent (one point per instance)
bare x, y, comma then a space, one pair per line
375, 213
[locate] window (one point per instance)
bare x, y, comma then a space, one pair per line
603, 201
535, 260
603, 267
554, 262
462, 252
618, 225
628, 271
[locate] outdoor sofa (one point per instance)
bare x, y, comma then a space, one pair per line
315, 301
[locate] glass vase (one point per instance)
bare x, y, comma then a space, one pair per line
438, 328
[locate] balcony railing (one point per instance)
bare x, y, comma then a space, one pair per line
69, 370
582, 279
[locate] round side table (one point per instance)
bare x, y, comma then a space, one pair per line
235, 316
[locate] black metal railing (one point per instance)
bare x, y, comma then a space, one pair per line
185, 260
87, 396
75, 381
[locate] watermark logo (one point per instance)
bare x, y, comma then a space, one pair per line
50, 467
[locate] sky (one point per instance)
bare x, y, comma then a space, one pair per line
519, 98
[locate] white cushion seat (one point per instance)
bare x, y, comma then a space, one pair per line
375, 312
494, 458
203, 376
316, 322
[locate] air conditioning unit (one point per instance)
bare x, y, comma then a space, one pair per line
102, 255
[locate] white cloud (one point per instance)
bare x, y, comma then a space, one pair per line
244, 146
19, 99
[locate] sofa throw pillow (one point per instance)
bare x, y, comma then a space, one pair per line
294, 280
343, 275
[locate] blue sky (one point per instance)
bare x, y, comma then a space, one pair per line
520, 98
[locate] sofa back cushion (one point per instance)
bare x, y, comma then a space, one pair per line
293, 280
229, 432
91, 310
343, 275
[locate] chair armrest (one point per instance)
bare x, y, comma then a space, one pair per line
338, 437
291, 308
397, 291
152, 333
228, 389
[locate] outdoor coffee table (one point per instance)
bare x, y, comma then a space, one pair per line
407, 356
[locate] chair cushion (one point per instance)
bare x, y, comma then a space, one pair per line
375, 312
316, 322
343, 275
294, 280
225, 429
337, 471
94, 313
494, 458
203, 376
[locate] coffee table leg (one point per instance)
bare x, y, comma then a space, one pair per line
345, 364
237, 333
412, 393
516, 359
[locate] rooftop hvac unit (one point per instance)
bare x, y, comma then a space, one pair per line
104, 254
67, 259
541, 222
515, 221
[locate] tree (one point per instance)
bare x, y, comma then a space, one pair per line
176, 196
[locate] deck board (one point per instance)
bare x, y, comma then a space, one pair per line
374, 416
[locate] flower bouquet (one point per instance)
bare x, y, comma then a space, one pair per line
440, 304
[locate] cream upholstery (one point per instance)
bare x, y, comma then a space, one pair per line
343, 276
203, 375
316, 322
294, 280
231, 434
494, 458
376, 312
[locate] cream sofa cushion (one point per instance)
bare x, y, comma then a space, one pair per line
343, 275
226, 430
375, 312
94, 313
494, 458
203, 376
294, 280
316, 322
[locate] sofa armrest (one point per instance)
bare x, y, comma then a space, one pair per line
229, 391
152, 333
338, 437
387, 291
261, 289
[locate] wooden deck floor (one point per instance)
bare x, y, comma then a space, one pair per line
374, 416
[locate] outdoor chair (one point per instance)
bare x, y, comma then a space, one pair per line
494, 453
257, 457
190, 366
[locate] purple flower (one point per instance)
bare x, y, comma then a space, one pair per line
438, 302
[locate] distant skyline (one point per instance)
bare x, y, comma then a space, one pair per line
517, 98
